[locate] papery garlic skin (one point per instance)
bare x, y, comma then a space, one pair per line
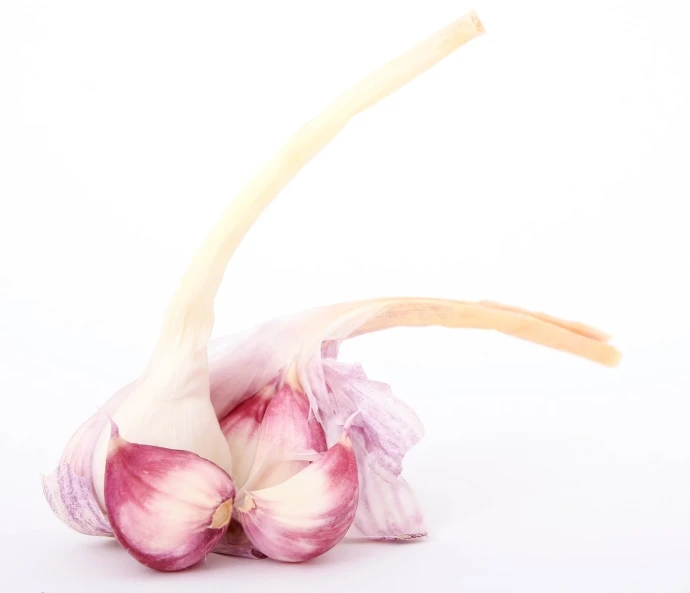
383, 432
72, 498
72, 491
168, 508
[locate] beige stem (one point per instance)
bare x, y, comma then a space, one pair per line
189, 318
567, 336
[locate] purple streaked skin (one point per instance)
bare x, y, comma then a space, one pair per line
70, 490
168, 508
382, 433
72, 499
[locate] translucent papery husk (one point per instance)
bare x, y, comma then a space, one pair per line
71, 489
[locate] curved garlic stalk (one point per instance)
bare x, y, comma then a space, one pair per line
170, 406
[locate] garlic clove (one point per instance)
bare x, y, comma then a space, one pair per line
308, 514
168, 508
242, 428
272, 437
290, 438
169, 408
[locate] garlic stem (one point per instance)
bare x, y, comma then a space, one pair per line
567, 336
189, 318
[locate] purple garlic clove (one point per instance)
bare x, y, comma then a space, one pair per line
309, 513
168, 508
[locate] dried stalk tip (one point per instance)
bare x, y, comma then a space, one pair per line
478, 25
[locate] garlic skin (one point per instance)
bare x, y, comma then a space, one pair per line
383, 432
71, 491
168, 508
71, 497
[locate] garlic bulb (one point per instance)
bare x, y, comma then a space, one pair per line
264, 444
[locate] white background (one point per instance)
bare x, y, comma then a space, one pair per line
544, 165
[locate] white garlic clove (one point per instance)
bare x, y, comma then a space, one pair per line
308, 514
242, 428
168, 508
